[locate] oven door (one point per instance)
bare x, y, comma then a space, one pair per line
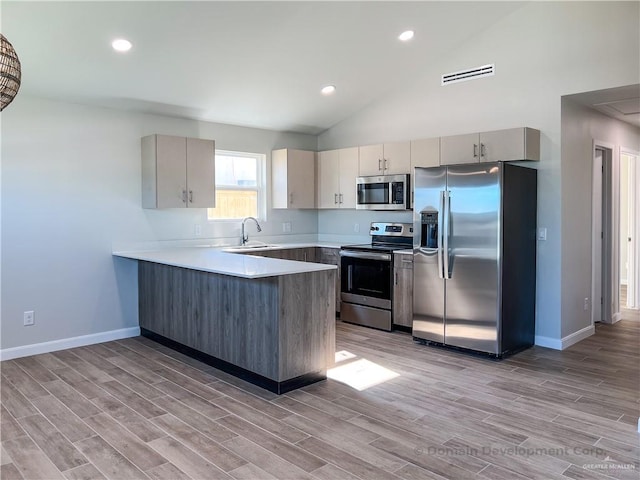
366, 278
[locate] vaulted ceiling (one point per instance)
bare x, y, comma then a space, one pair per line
259, 64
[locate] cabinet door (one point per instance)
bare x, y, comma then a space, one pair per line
310, 254
279, 186
403, 290
201, 181
510, 144
458, 149
397, 158
425, 153
371, 160
348, 173
301, 179
171, 171
328, 179
293, 178
331, 256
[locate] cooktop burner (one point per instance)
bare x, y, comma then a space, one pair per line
379, 247
387, 237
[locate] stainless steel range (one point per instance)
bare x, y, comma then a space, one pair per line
367, 275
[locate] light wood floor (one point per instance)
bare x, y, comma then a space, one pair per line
132, 409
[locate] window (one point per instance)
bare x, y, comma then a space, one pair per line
240, 186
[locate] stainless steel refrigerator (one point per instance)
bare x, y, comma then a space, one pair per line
475, 256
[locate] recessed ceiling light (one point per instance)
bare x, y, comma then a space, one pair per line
406, 36
121, 45
328, 90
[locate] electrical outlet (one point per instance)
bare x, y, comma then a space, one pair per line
29, 318
197, 229
286, 227
586, 304
356, 227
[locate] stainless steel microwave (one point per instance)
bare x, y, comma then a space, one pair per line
383, 192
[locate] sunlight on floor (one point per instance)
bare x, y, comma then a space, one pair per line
359, 374
343, 355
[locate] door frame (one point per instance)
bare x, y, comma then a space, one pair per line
633, 281
605, 245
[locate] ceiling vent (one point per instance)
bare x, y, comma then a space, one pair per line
470, 74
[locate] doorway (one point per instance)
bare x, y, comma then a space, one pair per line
629, 230
605, 235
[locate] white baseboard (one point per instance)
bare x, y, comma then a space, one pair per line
548, 342
565, 342
575, 337
616, 317
63, 344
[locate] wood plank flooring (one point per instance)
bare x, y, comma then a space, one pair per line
132, 409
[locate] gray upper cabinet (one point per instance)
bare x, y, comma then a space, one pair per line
293, 178
178, 172
337, 172
425, 152
496, 146
385, 159
509, 145
459, 149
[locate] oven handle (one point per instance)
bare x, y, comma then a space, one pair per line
385, 257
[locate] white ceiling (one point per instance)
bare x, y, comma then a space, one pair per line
622, 103
258, 64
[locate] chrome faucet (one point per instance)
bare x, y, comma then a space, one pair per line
245, 238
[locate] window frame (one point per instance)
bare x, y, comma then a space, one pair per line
260, 188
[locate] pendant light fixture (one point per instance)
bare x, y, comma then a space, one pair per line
9, 73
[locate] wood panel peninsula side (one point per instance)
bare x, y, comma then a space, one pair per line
268, 321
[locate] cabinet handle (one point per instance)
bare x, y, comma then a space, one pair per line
482, 150
340, 198
335, 198
184, 196
475, 150
379, 164
291, 198
386, 166
396, 278
190, 196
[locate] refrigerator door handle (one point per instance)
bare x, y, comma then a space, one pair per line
440, 236
445, 234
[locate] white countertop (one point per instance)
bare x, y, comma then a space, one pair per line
214, 260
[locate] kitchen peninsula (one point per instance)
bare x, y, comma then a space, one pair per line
266, 320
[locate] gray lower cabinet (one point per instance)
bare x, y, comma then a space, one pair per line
277, 332
331, 256
324, 255
403, 289
297, 254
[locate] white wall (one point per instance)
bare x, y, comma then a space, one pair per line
541, 51
581, 126
71, 188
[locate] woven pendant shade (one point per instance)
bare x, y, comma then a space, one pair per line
9, 73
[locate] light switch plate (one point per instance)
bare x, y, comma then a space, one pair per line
542, 233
